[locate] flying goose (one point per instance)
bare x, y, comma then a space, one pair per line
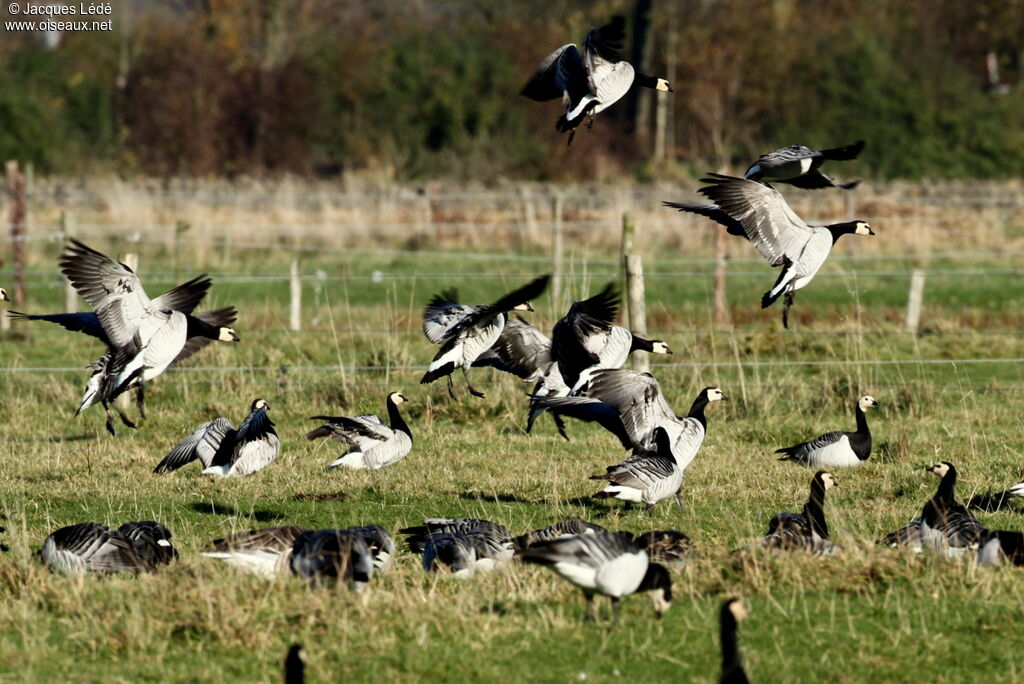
353, 553
224, 451
667, 547
94, 547
944, 525
801, 166
607, 563
631, 406
732, 613
646, 476
462, 545
806, 531
760, 213
591, 82
465, 332
587, 337
520, 349
295, 665
836, 449
564, 528
372, 444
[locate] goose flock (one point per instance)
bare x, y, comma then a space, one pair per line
575, 372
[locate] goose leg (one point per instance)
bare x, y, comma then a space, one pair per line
589, 598
469, 385
140, 399
451, 387
679, 496
110, 420
785, 309
616, 609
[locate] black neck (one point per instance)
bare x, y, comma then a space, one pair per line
814, 509
200, 328
657, 577
697, 409
395, 416
862, 421
640, 344
860, 441
730, 644
840, 229
646, 80
947, 487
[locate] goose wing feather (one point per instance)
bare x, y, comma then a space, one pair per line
211, 443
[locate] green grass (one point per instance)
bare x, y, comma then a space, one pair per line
871, 613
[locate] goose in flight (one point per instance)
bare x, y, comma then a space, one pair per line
466, 332
801, 166
606, 563
944, 525
759, 213
836, 449
590, 82
372, 444
224, 451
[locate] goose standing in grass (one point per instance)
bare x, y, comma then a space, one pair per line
944, 525
352, 553
462, 545
806, 531
836, 449
631, 406
759, 213
801, 166
607, 563
94, 547
224, 451
466, 332
732, 613
590, 82
373, 445
646, 476
564, 528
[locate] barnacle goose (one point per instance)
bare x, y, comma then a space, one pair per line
591, 82
461, 545
806, 531
94, 547
144, 336
1001, 546
587, 338
836, 449
801, 166
996, 502
295, 665
563, 528
944, 525
732, 613
465, 332
646, 476
631, 406
607, 563
759, 213
372, 444
224, 451
668, 547
520, 349
318, 556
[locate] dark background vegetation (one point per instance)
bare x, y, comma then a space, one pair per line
429, 88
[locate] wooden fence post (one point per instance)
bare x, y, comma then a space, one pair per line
914, 300
67, 231
556, 255
721, 305
16, 189
295, 311
637, 308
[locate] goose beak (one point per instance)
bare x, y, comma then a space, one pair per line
3, 295
529, 307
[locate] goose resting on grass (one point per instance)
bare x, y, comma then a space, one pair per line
801, 166
607, 563
224, 451
944, 525
759, 213
466, 332
806, 531
318, 556
373, 445
836, 449
591, 82
461, 545
997, 502
94, 547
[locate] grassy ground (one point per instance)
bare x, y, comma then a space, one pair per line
872, 613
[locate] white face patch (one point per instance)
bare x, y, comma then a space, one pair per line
525, 306
397, 398
715, 394
227, 335
940, 469
661, 604
660, 348
739, 611
867, 402
3, 295
828, 481
663, 86
863, 229
262, 404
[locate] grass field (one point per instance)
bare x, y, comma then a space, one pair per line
869, 614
